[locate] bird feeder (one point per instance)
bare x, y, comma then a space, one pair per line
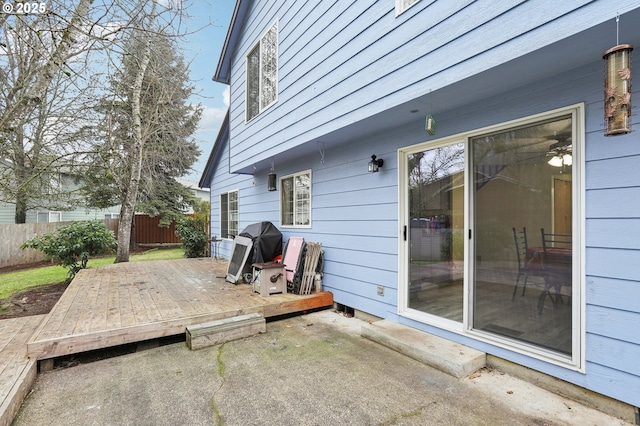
617, 90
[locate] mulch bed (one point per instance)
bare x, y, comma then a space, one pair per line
35, 301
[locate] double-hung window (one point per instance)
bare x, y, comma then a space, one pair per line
262, 73
229, 214
295, 200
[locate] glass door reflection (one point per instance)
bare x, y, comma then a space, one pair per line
435, 234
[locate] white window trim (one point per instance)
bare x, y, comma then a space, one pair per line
401, 8
294, 175
261, 108
577, 360
49, 214
226, 237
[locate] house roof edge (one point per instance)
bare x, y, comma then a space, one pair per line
216, 151
223, 70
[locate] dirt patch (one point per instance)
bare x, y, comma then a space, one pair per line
15, 268
35, 301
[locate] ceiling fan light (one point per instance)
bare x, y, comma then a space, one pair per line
567, 159
555, 161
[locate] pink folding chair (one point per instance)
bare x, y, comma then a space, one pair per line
291, 257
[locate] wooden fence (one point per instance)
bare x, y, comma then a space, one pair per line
12, 236
147, 232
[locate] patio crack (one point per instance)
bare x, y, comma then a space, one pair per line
214, 404
408, 415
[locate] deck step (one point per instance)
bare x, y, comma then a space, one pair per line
224, 330
447, 356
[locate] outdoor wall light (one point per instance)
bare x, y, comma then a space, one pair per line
271, 182
375, 164
617, 89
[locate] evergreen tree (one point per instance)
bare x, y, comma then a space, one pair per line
147, 127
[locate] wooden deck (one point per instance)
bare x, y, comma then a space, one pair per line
128, 303
133, 302
17, 371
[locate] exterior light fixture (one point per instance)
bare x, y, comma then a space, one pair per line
430, 125
271, 179
271, 182
375, 164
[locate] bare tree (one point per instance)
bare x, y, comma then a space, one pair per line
36, 66
52, 90
148, 123
53, 64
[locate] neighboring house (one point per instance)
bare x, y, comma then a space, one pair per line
516, 92
66, 182
43, 214
200, 193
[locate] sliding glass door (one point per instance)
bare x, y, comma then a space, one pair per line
436, 227
510, 193
522, 214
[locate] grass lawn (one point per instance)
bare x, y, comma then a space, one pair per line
15, 282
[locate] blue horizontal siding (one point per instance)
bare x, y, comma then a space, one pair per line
613, 263
356, 285
354, 262
618, 172
613, 203
613, 293
373, 306
619, 233
355, 213
353, 72
614, 383
613, 323
615, 354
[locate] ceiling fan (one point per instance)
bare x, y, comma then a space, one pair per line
560, 151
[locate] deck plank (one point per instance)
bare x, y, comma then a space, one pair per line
87, 310
59, 312
67, 319
114, 308
125, 304
17, 371
152, 310
100, 313
188, 296
8, 330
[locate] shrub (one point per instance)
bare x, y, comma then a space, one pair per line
192, 233
70, 246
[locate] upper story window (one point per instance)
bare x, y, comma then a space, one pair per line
262, 73
402, 5
295, 200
